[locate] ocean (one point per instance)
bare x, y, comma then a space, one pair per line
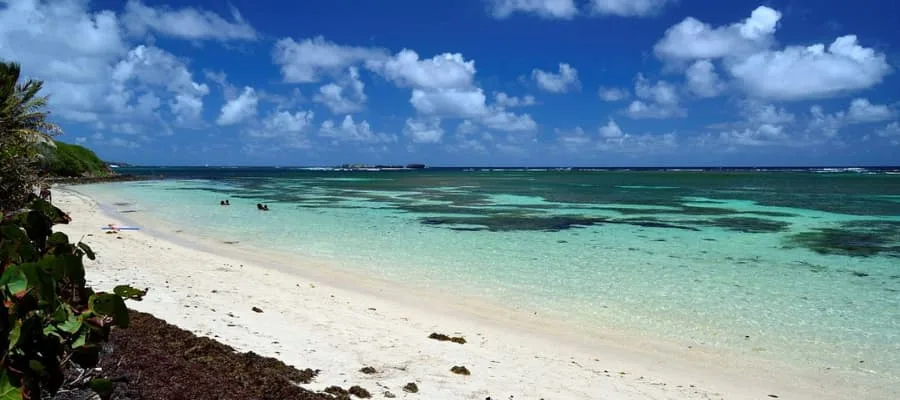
796, 265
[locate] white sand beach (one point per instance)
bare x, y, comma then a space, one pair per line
338, 323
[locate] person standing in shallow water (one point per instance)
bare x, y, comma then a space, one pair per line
262, 207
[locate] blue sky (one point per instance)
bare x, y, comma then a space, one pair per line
467, 82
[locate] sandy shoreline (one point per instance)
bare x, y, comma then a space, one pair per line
339, 324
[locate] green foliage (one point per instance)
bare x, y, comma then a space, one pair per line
70, 160
48, 315
23, 124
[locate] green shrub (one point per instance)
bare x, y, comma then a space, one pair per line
72, 160
48, 316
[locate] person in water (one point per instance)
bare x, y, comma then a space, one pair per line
224, 203
262, 207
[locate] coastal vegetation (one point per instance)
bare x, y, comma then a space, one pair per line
60, 159
50, 320
24, 124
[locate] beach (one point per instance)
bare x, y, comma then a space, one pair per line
339, 323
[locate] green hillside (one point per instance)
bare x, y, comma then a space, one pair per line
71, 160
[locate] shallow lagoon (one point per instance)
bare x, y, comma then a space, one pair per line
788, 265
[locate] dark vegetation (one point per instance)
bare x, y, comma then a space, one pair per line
444, 338
50, 320
156, 360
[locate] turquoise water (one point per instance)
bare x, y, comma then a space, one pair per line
793, 266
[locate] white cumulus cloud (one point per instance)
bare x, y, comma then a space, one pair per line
345, 97
185, 23
628, 8
350, 131
613, 94
815, 71
563, 81
702, 79
692, 39
443, 71
308, 60
239, 109
504, 100
426, 130
558, 9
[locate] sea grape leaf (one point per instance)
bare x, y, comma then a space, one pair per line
128, 292
58, 239
36, 366
87, 250
110, 305
81, 340
14, 280
103, 387
14, 334
42, 282
71, 325
73, 268
7, 390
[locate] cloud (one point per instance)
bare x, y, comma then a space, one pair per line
759, 113
564, 81
797, 73
613, 94
611, 130
90, 72
611, 137
148, 67
350, 131
506, 101
550, 9
746, 52
655, 101
862, 111
892, 132
68, 47
308, 60
692, 39
702, 79
443, 71
186, 23
239, 109
426, 130
466, 103
763, 135
346, 97
288, 128
568, 9
501, 120
628, 8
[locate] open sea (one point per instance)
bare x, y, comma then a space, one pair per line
795, 265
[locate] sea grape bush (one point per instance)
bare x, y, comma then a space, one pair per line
49, 317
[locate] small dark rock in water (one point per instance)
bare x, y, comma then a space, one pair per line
562, 241
257, 309
411, 388
336, 391
773, 396
389, 395
360, 392
368, 370
460, 370
860, 274
444, 338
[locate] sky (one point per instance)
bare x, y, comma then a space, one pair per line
467, 82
